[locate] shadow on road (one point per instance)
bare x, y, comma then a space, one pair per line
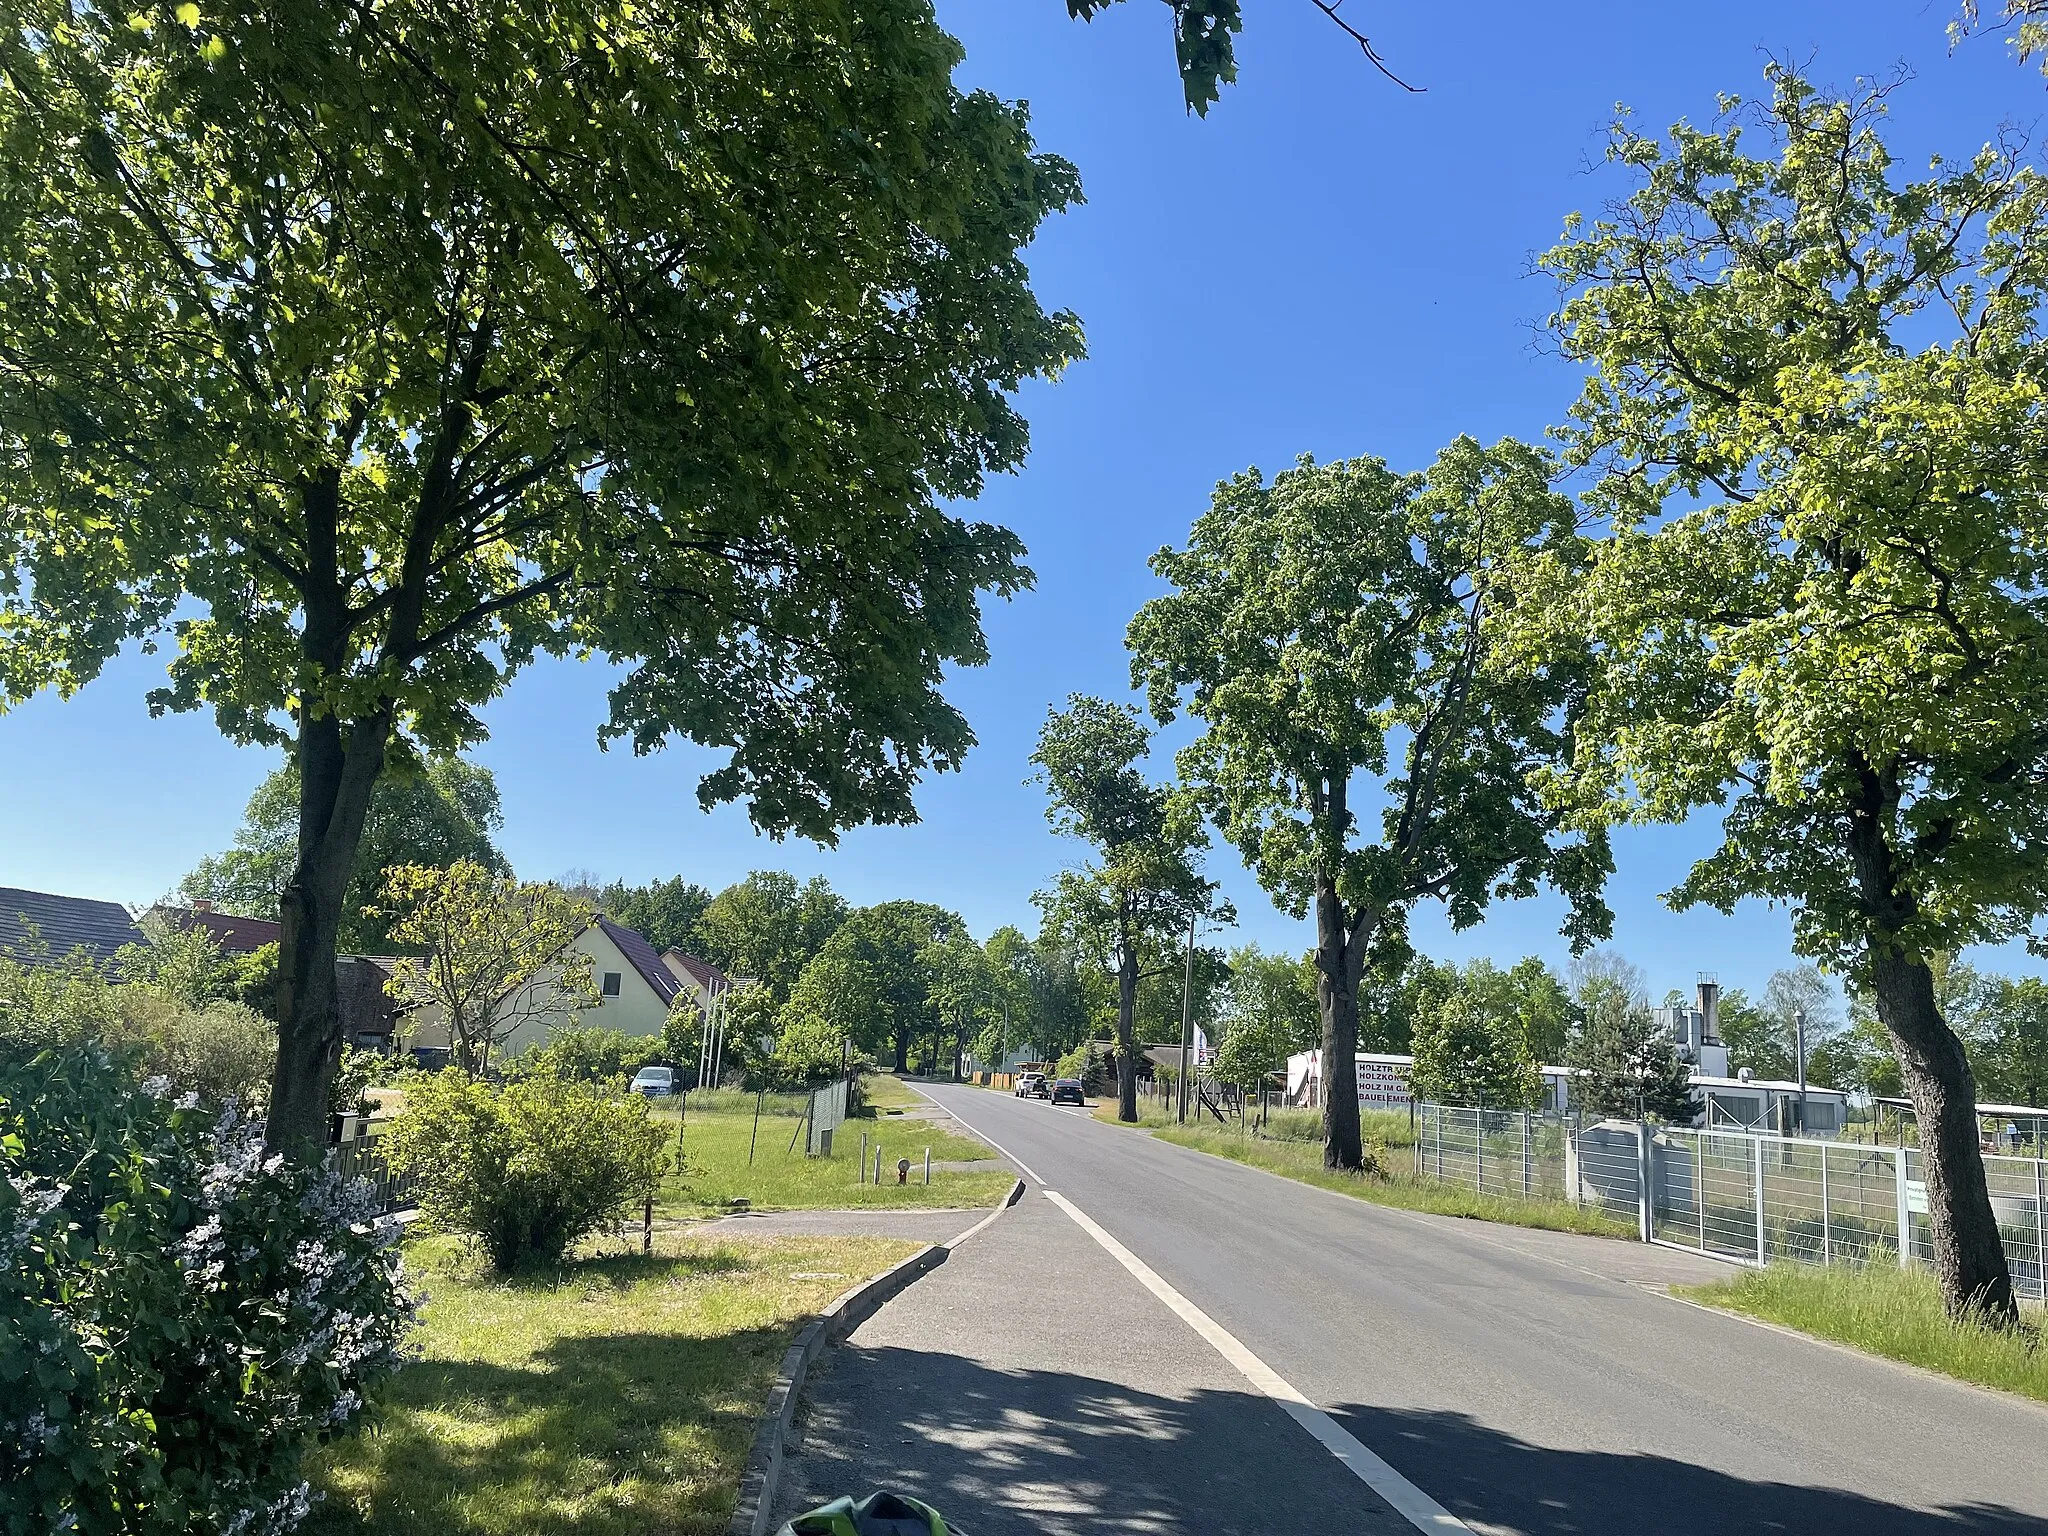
1010, 1452
1481, 1473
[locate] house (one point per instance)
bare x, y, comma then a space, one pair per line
234, 935
38, 928
634, 990
700, 980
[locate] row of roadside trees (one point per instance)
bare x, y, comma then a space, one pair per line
1799, 587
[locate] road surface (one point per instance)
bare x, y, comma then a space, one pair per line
1525, 1382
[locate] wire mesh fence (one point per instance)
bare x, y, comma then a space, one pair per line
1753, 1197
827, 1114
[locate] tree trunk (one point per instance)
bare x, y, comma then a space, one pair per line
1969, 1256
1337, 998
902, 1050
1127, 1034
335, 780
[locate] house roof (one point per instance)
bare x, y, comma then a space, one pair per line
703, 972
63, 924
641, 956
235, 935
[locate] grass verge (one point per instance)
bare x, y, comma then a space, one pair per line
1303, 1161
716, 1143
1884, 1310
616, 1396
1391, 1127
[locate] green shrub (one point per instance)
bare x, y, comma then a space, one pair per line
179, 1315
222, 1051
527, 1168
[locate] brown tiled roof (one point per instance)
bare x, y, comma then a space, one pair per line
235, 935
63, 924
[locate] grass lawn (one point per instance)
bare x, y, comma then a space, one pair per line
614, 1397
1886, 1311
715, 1142
1303, 1160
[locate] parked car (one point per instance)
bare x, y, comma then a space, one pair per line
1031, 1085
1068, 1091
655, 1082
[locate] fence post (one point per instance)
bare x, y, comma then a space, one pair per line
1699, 1181
2040, 1238
1479, 1150
1756, 1142
1528, 1167
862, 1175
1646, 1218
1827, 1247
1905, 1210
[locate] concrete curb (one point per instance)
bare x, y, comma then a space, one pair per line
760, 1481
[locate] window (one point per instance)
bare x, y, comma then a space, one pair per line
611, 984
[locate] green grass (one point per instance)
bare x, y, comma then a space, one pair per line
1392, 1127
1303, 1160
715, 1144
1884, 1310
616, 1396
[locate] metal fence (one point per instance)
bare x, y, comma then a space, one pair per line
361, 1159
826, 1114
1751, 1197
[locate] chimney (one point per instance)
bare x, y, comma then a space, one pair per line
1710, 1008
202, 904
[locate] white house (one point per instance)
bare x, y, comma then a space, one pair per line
699, 980
633, 987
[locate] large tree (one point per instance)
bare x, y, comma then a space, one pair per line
1815, 389
873, 977
1362, 745
666, 913
1129, 907
434, 813
769, 927
373, 349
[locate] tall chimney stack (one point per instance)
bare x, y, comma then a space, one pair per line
1710, 1008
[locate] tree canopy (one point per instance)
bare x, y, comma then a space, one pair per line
768, 927
1813, 396
370, 351
1129, 907
1363, 745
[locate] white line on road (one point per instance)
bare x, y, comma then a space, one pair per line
1013, 1157
1408, 1501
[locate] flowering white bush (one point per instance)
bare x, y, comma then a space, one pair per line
180, 1315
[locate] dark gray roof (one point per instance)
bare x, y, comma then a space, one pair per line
63, 924
641, 956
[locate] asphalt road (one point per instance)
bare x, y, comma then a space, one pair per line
1528, 1382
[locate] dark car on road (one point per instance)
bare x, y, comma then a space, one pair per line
1068, 1091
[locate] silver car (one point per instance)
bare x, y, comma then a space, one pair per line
655, 1082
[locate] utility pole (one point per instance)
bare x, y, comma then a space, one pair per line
1187, 1020
1799, 1035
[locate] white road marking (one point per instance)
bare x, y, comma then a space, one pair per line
1407, 1500
1013, 1157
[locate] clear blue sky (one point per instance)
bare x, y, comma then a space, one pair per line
1323, 265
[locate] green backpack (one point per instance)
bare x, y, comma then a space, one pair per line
879, 1514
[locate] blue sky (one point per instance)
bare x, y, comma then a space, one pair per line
1325, 265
